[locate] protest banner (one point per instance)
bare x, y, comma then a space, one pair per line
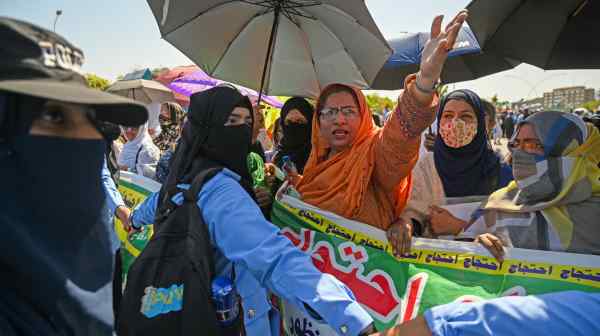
134, 189
394, 290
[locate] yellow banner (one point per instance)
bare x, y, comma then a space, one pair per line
464, 261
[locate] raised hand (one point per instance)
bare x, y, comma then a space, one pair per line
436, 49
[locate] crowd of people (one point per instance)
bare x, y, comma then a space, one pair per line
57, 138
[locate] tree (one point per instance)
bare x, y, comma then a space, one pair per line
377, 103
96, 82
591, 105
494, 100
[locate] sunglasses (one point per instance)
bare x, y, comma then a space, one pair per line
528, 145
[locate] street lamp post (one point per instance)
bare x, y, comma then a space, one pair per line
58, 13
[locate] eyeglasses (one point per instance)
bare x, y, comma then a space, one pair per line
528, 145
330, 113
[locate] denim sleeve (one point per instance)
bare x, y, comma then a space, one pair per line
561, 313
144, 212
113, 197
242, 234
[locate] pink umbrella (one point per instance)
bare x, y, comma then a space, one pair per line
199, 81
167, 76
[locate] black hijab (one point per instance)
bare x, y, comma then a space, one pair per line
206, 143
296, 141
470, 170
54, 228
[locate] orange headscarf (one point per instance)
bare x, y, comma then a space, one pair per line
339, 184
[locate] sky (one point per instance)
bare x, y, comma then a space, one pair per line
118, 36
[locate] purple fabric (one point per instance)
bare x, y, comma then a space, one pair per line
199, 81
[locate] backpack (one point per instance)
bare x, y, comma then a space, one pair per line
168, 289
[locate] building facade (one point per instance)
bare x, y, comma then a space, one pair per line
567, 98
533, 104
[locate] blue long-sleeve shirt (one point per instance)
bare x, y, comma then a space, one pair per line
113, 197
113, 201
563, 313
263, 259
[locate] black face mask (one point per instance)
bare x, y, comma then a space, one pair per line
232, 148
54, 228
206, 143
296, 135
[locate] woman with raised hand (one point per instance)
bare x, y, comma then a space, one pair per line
360, 171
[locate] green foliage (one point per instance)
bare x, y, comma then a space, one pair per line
96, 82
495, 100
442, 90
592, 105
377, 103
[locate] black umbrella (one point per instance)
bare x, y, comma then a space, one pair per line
465, 61
277, 47
548, 34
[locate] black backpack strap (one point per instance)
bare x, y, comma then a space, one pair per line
137, 156
200, 229
166, 206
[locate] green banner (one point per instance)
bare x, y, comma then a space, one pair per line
134, 189
394, 290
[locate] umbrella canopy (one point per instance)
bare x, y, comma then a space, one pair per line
548, 34
142, 90
287, 47
170, 75
199, 81
465, 60
166, 77
139, 74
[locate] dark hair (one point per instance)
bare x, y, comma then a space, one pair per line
489, 109
330, 90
